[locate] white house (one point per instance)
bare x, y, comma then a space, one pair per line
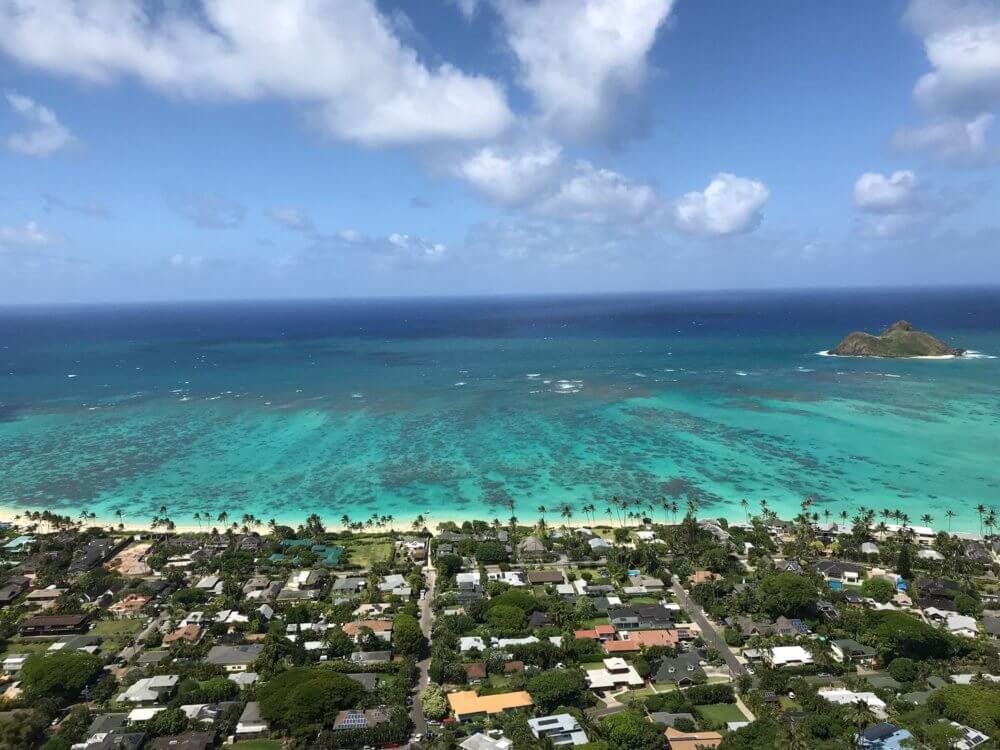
848, 698
962, 625
470, 642
616, 673
787, 656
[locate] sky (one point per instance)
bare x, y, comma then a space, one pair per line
242, 149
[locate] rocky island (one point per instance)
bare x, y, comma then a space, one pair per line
898, 340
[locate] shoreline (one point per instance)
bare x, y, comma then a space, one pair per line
405, 525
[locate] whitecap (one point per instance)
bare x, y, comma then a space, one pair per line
741, 373
973, 354
184, 398
533, 375
826, 353
71, 375
460, 382
640, 374
547, 382
804, 369
357, 395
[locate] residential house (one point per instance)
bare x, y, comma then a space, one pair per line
13, 588
475, 672
845, 697
616, 673
681, 670
349, 584
641, 617
481, 741
470, 581
234, 658
678, 740
53, 625
969, 738
543, 577
371, 657
991, 626
381, 628
156, 689
599, 544
561, 729
356, 719
531, 547
835, 570
190, 633
850, 651
396, 585
250, 724
93, 554
185, 741
466, 704
131, 606
787, 656
962, 625
883, 736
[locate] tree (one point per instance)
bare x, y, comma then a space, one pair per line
788, 594
171, 721
507, 619
62, 674
491, 553
433, 700
557, 687
25, 730
900, 634
904, 565
878, 588
407, 637
307, 696
448, 565
630, 731
903, 669
218, 689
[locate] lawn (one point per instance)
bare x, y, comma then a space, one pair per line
111, 628
788, 704
257, 745
720, 714
17, 646
364, 552
643, 600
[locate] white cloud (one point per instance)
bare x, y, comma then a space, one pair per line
417, 248
193, 262
582, 60
538, 179
29, 234
86, 207
290, 218
951, 139
467, 8
386, 251
208, 211
599, 195
44, 135
962, 41
512, 176
900, 205
729, 205
344, 59
879, 193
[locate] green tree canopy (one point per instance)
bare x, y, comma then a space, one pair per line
878, 588
900, 634
557, 687
507, 619
630, 731
788, 594
63, 674
434, 702
306, 696
407, 637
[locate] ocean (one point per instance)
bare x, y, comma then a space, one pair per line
454, 408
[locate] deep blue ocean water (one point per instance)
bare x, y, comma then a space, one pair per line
454, 407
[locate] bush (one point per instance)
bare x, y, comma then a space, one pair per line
977, 705
448, 565
434, 702
703, 695
407, 637
523, 600
491, 553
306, 696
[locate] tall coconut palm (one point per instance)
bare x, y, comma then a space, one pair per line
981, 510
861, 715
926, 519
223, 517
566, 511
197, 517
745, 504
949, 514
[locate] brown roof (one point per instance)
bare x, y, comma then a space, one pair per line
190, 632
586, 634
513, 666
475, 671
376, 626
619, 647
692, 740
54, 621
545, 576
605, 629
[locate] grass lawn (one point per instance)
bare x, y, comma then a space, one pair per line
636, 695
788, 704
719, 714
110, 628
364, 552
643, 600
595, 621
592, 665
17, 646
257, 745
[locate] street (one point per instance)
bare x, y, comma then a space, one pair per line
417, 711
708, 632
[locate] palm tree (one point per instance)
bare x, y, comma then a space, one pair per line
272, 525
120, 512
419, 522
223, 517
926, 519
861, 714
197, 517
991, 521
949, 514
745, 504
541, 510
981, 510
566, 511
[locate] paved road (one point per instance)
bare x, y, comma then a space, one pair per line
130, 651
709, 634
426, 620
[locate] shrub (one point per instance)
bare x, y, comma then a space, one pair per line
878, 588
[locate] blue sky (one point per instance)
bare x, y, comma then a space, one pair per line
243, 148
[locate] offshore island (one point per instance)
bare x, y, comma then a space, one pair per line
899, 340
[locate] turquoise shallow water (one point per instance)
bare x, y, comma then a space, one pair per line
451, 408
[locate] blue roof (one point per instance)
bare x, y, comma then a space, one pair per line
890, 742
18, 542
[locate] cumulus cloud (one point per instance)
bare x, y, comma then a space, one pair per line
208, 211
962, 41
951, 139
290, 218
582, 61
26, 235
729, 205
900, 205
43, 135
393, 250
303, 51
537, 177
